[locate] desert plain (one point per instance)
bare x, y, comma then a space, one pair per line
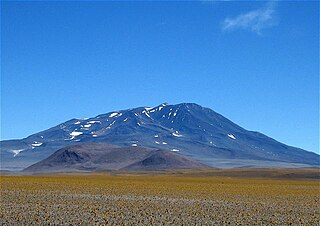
197, 197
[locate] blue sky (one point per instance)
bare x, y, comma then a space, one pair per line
257, 63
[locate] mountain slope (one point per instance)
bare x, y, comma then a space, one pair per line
187, 128
102, 156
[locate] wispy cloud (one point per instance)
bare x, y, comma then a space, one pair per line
254, 21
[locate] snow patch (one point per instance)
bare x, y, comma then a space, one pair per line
126, 119
176, 150
88, 125
16, 152
231, 136
92, 122
111, 124
176, 134
74, 134
146, 113
161, 107
36, 144
156, 135
164, 143
134, 145
83, 118
94, 135
113, 114
211, 143
157, 142
77, 123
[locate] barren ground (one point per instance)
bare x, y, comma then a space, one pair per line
174, 198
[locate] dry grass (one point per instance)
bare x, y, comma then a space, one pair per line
157, 200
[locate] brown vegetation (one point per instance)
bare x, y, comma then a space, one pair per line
163, 199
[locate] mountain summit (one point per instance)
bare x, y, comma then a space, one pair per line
188, 129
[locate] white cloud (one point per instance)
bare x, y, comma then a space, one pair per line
255, 20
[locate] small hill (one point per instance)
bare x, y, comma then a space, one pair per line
102, 156
161, 160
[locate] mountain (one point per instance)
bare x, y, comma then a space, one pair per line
190, 129
102, 156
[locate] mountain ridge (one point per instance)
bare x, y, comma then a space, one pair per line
188, 128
